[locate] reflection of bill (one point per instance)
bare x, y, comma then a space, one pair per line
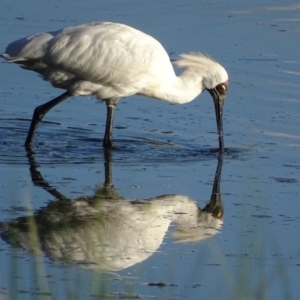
108, 233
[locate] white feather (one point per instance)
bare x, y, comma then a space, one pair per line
111, 60
205, 66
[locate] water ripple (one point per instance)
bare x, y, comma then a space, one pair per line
79, 146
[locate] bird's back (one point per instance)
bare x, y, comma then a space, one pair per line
110, 55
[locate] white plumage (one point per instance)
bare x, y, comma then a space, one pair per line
111, 61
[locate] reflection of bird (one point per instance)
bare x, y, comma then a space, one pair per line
108, 233
111, 61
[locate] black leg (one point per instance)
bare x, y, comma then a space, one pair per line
108, 140
39, 113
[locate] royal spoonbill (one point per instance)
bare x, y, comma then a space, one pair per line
112, 61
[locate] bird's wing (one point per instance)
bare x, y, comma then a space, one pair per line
114, 59
106, 53
27, 49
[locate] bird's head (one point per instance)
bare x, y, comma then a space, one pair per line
211, 76
215, 81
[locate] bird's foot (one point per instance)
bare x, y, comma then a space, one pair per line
216, 150
109, 144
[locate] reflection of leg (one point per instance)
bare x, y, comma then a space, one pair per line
39, 113
107, 166
38, 180
107, 191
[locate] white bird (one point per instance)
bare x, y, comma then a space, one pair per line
111, 61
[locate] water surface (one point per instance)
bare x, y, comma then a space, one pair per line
165, 169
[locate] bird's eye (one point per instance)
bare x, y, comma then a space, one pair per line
221, 87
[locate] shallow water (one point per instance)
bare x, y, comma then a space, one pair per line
140, 202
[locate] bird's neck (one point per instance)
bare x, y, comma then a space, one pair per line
178, 90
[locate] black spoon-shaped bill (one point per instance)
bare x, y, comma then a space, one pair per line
219, 94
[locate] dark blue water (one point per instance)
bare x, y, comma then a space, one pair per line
164, 150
